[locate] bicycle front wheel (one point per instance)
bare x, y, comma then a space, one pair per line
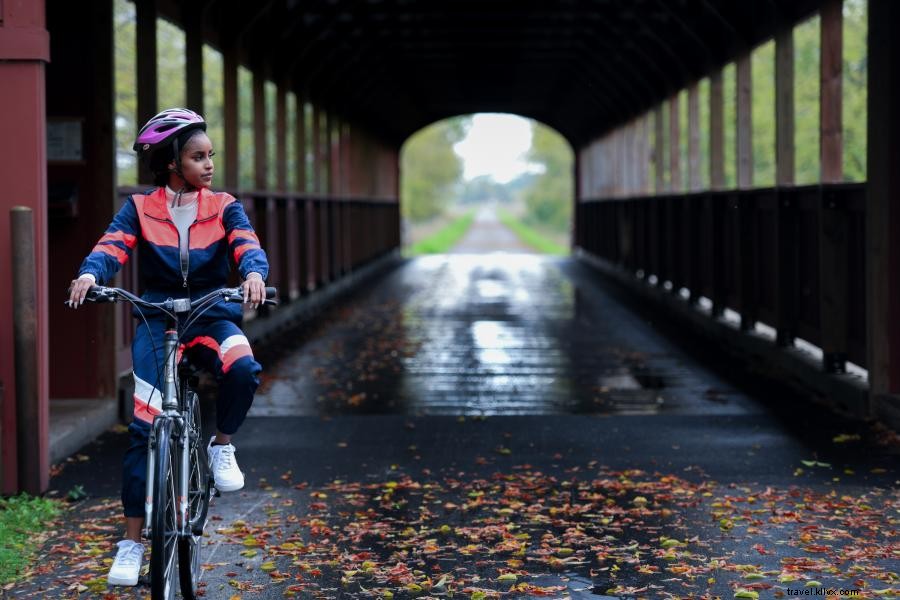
198, 505
163, 518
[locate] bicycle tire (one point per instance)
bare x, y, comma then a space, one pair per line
163, 526
198, 506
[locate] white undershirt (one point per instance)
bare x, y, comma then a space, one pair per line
183, 215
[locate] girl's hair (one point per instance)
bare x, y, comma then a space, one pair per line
159, 160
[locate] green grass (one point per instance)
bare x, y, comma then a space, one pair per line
531, 236
444, 239
22, 519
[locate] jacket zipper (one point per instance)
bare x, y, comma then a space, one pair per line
186, 262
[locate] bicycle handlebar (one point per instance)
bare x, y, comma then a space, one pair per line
99, 294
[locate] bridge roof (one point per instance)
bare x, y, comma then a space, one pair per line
580, 66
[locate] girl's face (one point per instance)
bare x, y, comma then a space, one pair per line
196, 162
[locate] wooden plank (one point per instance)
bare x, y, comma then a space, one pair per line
784, 107
147, 88
787, 279
695, 182
830, 93
716, 132
232, 128
833, 281
744, 131
675, 182
309, 227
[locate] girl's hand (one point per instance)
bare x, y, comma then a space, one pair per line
254, 289
78, 289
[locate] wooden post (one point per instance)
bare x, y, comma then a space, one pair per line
281, 136
658, 150
833, 238
716, 132
300, 145
833, 281
784, 107
882, 209
744, 132
675, 183
831, 58
232, 126
316, 151
787, 236
147, 90
192, 14
695, 182
260, 150
645, 154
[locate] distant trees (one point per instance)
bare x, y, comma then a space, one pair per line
431, 169
549, 200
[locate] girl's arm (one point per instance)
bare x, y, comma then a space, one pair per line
242, 240
114, 248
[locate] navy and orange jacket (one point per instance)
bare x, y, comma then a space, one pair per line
221, 229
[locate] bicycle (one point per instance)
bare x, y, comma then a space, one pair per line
178, 479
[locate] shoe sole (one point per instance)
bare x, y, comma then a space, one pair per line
117, 581
229, 488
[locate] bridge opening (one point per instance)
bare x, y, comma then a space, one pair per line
486, 182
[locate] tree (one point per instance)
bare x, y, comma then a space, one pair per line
549, 200
431, 169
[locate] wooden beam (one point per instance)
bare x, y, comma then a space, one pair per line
716, 132
830, 94
695, 182
744, 131
675, 182
147, 87
784, 107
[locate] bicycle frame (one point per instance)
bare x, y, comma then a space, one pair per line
173, 407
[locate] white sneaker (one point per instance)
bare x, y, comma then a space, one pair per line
127, 565
224, 467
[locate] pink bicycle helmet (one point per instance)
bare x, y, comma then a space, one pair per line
162, 129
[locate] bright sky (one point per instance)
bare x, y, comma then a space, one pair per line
495, 145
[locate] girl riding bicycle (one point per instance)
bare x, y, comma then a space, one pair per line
187, 233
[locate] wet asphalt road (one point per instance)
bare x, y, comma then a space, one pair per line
457, 370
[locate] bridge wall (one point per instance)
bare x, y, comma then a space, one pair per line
813, 265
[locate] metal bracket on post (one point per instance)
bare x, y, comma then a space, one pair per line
28, 437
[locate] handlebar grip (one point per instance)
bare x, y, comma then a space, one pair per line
98, 294
271, 293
